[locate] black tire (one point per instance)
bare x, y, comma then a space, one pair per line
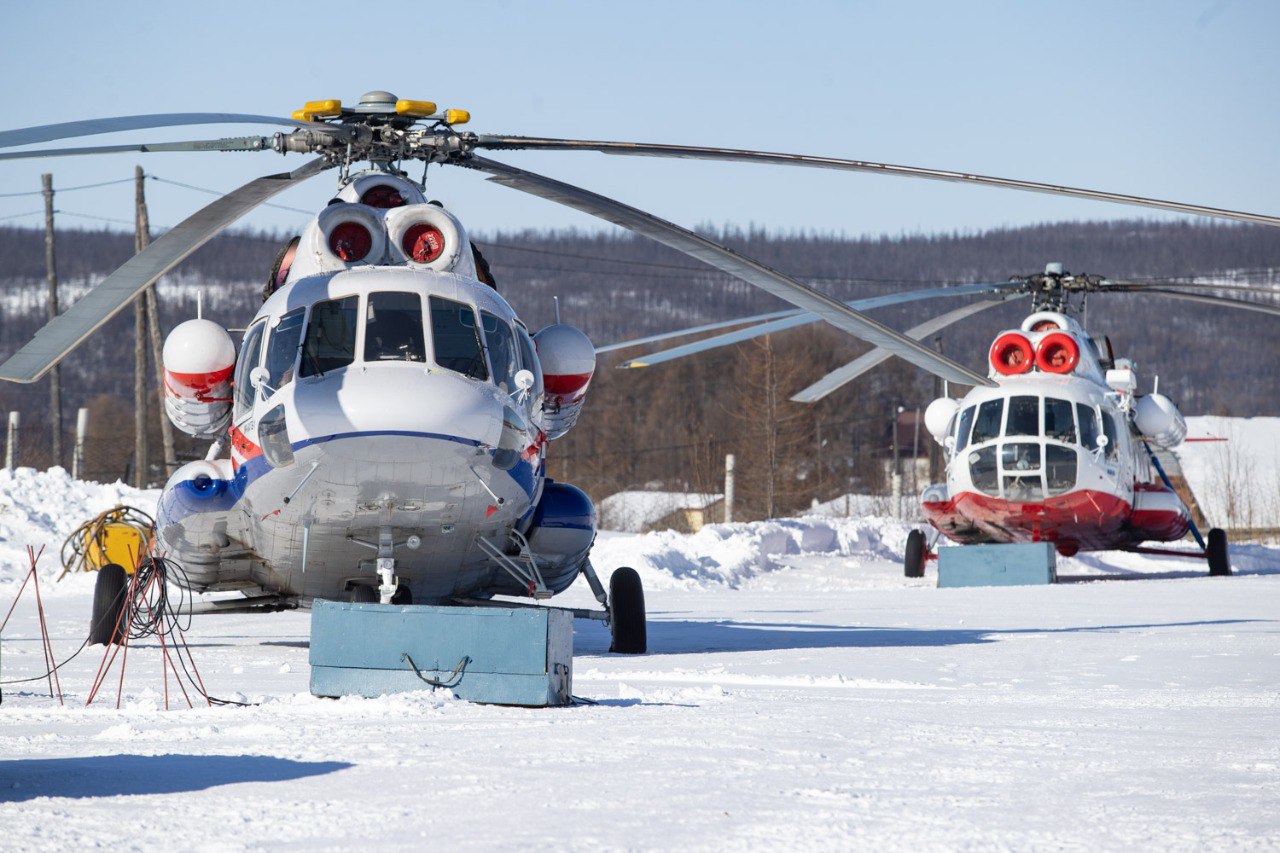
626, 613
914, 559
1216, 551
403, 595
109, 593
364, 594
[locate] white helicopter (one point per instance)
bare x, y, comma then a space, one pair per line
386, 403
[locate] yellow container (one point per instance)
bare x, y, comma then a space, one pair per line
116, 542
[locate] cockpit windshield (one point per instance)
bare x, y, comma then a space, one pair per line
331, 336
393, 328
456, 338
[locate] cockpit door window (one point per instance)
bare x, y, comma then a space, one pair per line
282, 348
456, 339
502, 351
331, 336
393, 328
1088, 426
250, 353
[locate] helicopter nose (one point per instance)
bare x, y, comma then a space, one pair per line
398, 400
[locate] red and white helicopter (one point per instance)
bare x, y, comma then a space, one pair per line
1057, 445
387, 413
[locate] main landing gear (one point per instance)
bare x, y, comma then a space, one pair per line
1216, 553
624, 608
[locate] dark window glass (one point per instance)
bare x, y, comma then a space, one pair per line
1059, 469
250, 351
456, 339
1023, 487
393, 328
982, 468
1059, 423
282, 348
529, 361
502, 351
962, 432
987, 424
1020, 456
1113, 435
1024, 416
331, 336
274, 438
1088, 426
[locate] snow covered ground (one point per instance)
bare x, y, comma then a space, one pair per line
799, 692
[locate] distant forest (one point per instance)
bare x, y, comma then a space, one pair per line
617, 287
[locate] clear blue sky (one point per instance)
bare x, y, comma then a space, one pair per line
1168, 99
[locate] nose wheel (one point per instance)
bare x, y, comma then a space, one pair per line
916, 553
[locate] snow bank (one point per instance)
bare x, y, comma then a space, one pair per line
726, 555
1236, 481
43, 507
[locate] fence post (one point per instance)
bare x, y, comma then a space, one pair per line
77, 458
728, 488
11, 443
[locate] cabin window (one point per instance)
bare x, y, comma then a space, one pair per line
1088, 426
502, 351
529, 360
456, 338
1024, 416
1059, 469
282, 348
987, 424
274, 438
250, 352
331, 336
962, 431
393, 328
1059, 422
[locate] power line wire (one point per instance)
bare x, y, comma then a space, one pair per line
70, 189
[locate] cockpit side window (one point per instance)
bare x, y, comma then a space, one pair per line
250, 352
1088, 426
282, 348
502, 351
331, 336
1059, 422
987, 424
393, 328
456, 339
962, 431
1024, 416
1113, 435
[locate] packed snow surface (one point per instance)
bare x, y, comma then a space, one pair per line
798, 693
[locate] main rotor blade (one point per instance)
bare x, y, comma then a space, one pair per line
833, 311
237, 143
841, 376
695, 330
1138, 286
66, 331
509, 143
93, 126
1205, 299
801, 319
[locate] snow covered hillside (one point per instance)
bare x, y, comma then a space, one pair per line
1236, 481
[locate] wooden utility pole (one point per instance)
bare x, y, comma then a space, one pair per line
51, 277
140, 237
153, 326
935, 450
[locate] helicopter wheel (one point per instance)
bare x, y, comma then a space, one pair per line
1216, 551
913, 560
626, 613
108, 605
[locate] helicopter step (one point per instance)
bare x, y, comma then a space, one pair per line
1011, 564
491, 655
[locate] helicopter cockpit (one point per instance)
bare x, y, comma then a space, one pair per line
1027, 447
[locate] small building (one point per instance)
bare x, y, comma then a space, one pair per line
642, 511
